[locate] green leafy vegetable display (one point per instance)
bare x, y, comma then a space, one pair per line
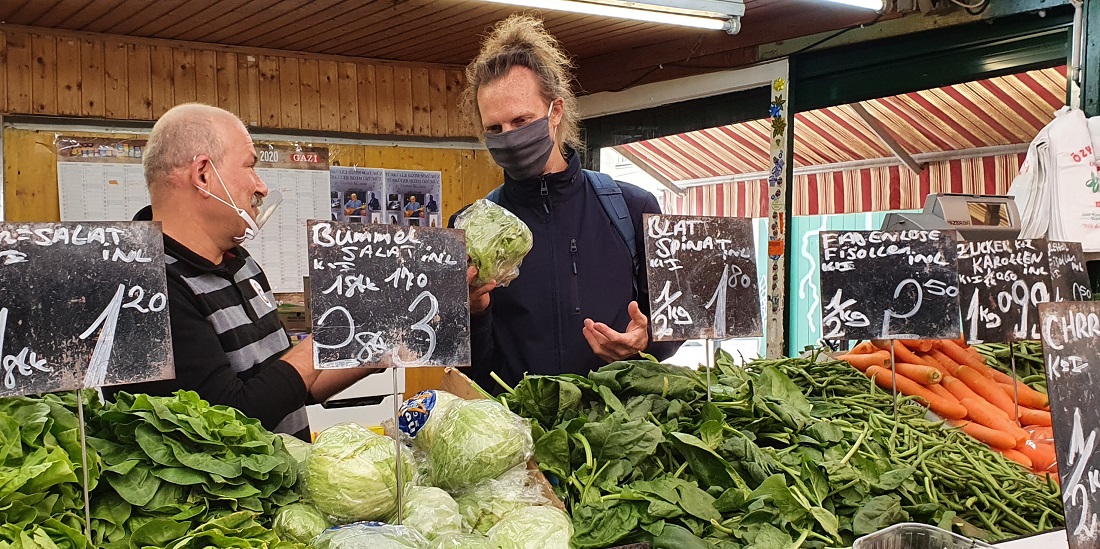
789, 453
370, 536
496, 240
235, 530
299, 450
430, 511
173, 464
41, 476
473, 441
483, 505
299, 522
533, 528
352, 473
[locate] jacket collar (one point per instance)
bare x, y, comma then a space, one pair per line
183, 253
559, 186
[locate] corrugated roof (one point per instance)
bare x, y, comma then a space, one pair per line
1008, 110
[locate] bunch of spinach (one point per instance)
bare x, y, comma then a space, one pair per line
174, 463
788, 453
41, 495
237, 530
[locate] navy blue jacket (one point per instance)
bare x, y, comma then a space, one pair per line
578, 268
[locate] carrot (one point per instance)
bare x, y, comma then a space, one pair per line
961, 391
943, 407
994, 438
1040, 434
944, 360
1039, 418
861, 361
864, 348
1016, 456
903, 354
925, 375
986, 389
982, 412
919, 345
1041, 454
942, 392
961, 356
999, 376
961, 342
1028, 397
931, 361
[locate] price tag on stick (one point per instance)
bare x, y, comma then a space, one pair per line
1071, 340
702, 277
82, 305
889, 285
381, 292
1002, 283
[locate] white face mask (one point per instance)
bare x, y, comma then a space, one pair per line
266, 206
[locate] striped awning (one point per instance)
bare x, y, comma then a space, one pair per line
972, 135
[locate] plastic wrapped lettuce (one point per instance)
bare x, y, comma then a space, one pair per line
351, 474
482, 506
299, 450
462, 541
474, 440
533, 528
430, 511
496, 240
370, 535
416, 414
299, 522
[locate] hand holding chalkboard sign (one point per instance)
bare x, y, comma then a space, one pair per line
889, 285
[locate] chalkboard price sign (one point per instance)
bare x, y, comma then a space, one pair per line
702, 277
384, 294
1002, 283
1071, 343
889, 285
82, 305
1068, 271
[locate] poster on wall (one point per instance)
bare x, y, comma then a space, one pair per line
412, 197
409, 198
101, 179
356, 195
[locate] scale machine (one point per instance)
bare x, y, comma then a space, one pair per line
973, 216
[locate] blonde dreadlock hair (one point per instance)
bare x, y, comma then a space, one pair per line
522, 41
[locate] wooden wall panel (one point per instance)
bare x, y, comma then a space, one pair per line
55, 73
92, 73
68, 77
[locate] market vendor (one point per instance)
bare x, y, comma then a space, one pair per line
581, 300
227, 341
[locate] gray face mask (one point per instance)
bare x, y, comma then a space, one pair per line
523, 152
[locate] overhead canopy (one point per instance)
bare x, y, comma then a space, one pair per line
969, 137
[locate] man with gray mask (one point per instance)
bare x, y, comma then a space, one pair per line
227, 341
581, 300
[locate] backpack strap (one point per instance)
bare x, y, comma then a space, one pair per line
494, 195
614, 205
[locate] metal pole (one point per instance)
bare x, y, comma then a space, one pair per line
84, 467
397, 446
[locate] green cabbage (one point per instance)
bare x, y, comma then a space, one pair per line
299, 522
430, 511
462, 541
483, 505
475, 440
351, 473
496, 240
533, 528
370, 536
418, 413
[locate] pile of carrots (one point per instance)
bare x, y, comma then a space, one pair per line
955, 382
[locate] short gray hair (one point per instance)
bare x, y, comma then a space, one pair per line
180, 134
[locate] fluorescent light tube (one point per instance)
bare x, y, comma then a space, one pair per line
876, 5
621, 12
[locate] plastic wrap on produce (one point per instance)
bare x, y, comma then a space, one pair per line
351, 473
533, 528
462, 541
482, 506
496, 240
300, 523
370, 535
473, 441
430, 511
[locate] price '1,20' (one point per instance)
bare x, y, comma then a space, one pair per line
107, 322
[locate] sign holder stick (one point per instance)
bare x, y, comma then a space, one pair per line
84, 465
397, 446
1015, 382
710, 363
894, 376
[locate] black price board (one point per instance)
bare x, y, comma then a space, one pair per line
702, 277
82, 305
382, 294
1002, 283
889, 285
1071, 342
1070, 276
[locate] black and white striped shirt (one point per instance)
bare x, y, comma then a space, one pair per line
227, 340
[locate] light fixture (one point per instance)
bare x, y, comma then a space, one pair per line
703, 14
876, 5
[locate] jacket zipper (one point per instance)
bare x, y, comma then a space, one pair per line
545, 192
576, 278
545, 195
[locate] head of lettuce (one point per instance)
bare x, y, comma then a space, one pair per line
496, 240
352, 476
